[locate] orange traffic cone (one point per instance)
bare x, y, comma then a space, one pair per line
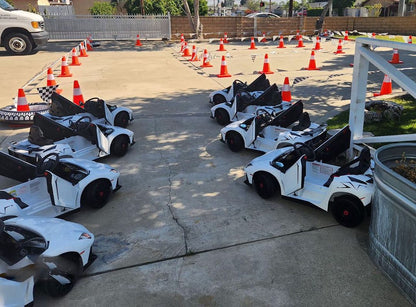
82, 51
221, 45
410, 40
339, 48
317, 44
300, 42
224, 71
88, 44
138, 42
225, 40
325, 32
373, 35
252, 44
75, 61
266, 66
65, 69
22, 105
186, 50
182, 46
281, 42
194, 56
205, 62
396, 58
297, 35
78, 98
346, 36
386, 87
286, 95
264, 40
50, 80
312, 62
182, 38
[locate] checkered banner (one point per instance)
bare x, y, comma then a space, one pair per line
46, 92
299, 79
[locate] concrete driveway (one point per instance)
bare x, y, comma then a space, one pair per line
184, 230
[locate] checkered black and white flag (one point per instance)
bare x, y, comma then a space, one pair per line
299, 79
46, 92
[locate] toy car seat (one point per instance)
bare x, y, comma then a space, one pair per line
304, 122
36, 136
364, 161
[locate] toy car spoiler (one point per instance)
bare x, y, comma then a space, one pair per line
12, 167
52, 129
288, 116
270, 97
333, 146
260, 84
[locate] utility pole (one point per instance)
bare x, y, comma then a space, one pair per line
270, 6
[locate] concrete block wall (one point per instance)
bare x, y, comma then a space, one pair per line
214, 27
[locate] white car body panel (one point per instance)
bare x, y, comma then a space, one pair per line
16, 293
66, 196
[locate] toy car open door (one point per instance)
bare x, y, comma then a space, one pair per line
63, 192
292, 179
102, 141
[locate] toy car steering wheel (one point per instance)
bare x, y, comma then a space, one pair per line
77, 125
93, 99
299, 148
47, 163
262, 111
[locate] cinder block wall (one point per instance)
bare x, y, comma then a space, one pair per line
214, 27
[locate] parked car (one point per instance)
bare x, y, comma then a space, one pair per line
262, 15
55, 186
308, 174
74, 136
266, 131
49, 251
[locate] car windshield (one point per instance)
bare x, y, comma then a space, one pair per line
6, 6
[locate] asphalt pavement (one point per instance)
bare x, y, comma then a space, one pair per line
184, 230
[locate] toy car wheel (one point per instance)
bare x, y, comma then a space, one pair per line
120, 145
347, 211
217, 99
62, 277
222, 117
265, 185
235, 141
96, 194
122, 119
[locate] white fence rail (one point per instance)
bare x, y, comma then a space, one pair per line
364, 55
117, 27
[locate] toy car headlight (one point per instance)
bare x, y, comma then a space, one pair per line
114, 171
84, 236
244, 126
250, 164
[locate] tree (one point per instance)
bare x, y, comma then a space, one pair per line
154, 7
102, 8
193, 21
253, 5
243, 2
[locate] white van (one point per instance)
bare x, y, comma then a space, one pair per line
20, 31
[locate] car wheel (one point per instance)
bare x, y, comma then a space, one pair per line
222, 117
96, 194
347, 211
122, 119
18, 44
265, 184
218, 98
120, 145
62, 276
235, 141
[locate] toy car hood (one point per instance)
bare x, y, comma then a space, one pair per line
88, 165
52, 229
271, 155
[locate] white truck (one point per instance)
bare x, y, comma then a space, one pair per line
20, 32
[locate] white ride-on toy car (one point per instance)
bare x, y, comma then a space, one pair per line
304, 173
81, 139
255, 89
55, 186
244, 106
266, 131
48, 251
96, 108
